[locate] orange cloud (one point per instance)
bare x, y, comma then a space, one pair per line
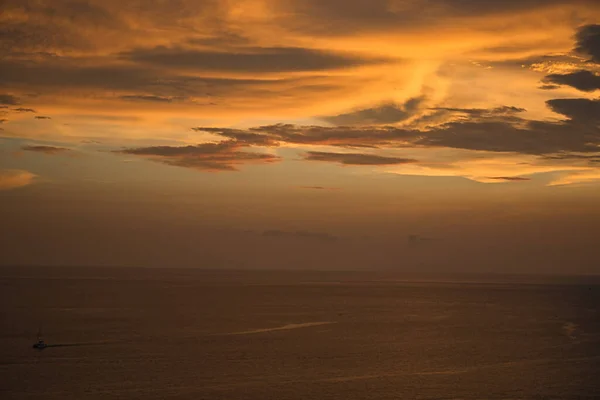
11, 179
46, 149
223, 156
375, 75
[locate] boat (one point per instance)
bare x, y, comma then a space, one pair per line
40, 345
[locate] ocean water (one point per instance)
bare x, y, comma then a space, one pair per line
189, 334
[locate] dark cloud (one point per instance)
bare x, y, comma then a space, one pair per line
548, 87
580, 111
241, 136
58, 24
495, 130
588, 41
151, 98
81, 11
577, 134
381, 115
38, 35
21, 109
67, 25
105, 117
444, 114
222, 156
483, 112
368, 136
144, 81
319, 188
8, 99
592, 159
66, 74
582, 80
533, 137
479, 8
42, 117
345, 16
300, 235
46, 149
496, 136
509, 178
288, 133
247, 59
356, 158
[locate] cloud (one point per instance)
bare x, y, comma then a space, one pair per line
509, 178
74, 74
577, 177
493, 136
446, 115
483, 112
581, 111
12, 178
222, 156
241, 136
21, 109
381, 115
41, 117
300, 235
247, 59
490, 168
548, 87
343, 17
319, 188
7, 99
588, 41
287, 61
582, 80
46, 149
356, 158
592, 159
493, 130
67, 74
45, 26
119, 85
151, 98
368, 136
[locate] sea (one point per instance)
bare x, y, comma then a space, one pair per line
135, 333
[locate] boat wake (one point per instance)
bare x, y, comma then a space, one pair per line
76, 344
281, 328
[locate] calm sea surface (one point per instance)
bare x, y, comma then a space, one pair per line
186, 334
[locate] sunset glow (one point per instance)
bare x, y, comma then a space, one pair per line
182, 132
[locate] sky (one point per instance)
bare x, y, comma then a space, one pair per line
408, 135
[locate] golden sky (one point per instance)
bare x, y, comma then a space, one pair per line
270, 133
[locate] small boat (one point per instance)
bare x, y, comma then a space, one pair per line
40, 345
